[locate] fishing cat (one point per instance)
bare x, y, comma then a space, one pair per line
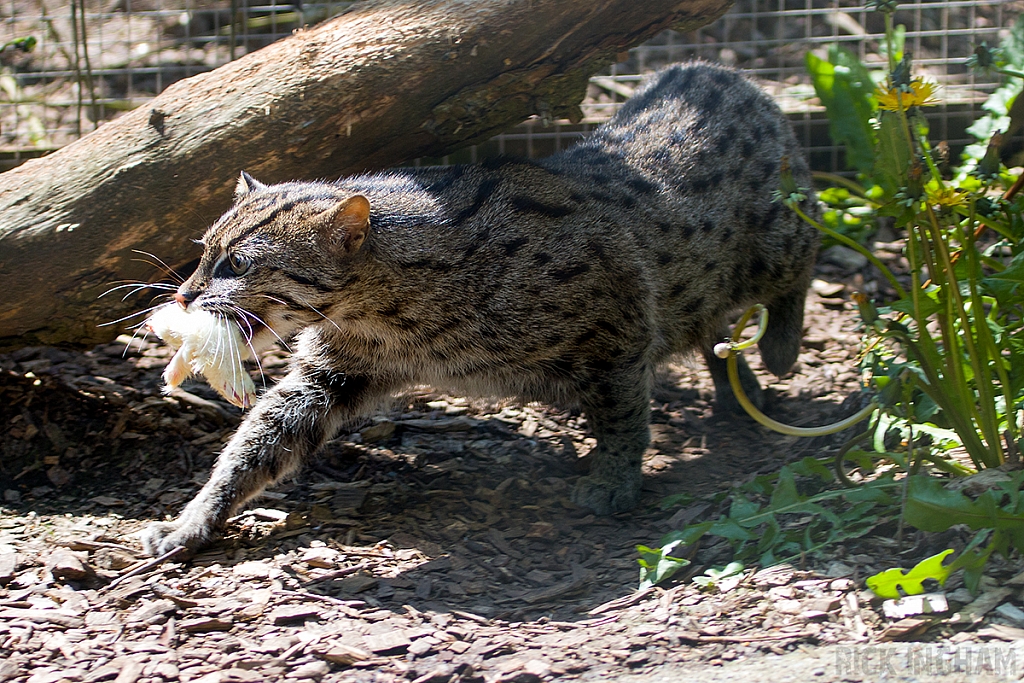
564, 281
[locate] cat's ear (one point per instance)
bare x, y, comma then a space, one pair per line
349, 222
246, 184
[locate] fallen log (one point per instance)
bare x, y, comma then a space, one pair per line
387, 82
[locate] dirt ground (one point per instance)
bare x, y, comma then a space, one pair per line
437, 544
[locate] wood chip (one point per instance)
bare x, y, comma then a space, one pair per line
356, 584
323, 558
67, 566
340, 653
289, 615
130, 672
42, 615
205, 624
1002, 632
982, 605
8, 566
620, 603
314, 670
454, 424
905, 628
387, 643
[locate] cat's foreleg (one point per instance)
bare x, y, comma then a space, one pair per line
287, 426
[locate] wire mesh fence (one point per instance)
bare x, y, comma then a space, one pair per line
93, 59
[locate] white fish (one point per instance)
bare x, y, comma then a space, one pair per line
207, 344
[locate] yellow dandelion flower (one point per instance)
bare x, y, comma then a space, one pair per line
920, 95
945, 196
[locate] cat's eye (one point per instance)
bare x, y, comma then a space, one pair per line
239, 264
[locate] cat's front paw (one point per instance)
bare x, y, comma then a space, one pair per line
162, 537
606, 497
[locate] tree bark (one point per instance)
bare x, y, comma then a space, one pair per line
387, 82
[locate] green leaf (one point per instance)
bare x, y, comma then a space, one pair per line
657, 565
894, 151
785, 493
687, 535
1004, 286
812, 467
713, 576
929, 306
887, 584
999, 102
932, 507
675, 499
742, 508
845, 88
899, 38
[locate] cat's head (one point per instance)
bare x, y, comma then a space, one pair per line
277, 258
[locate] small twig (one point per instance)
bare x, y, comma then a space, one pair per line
617, 603
284, 656
317, 596
155, 562
1015, 188
340, 573
96, 545
695, 638
470, 616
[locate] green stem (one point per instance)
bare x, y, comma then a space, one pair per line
930, 360
1009, 72
732, 351
981, 323
987, 421
853, 187
856, 246
1004, 231
890, 33
952, 408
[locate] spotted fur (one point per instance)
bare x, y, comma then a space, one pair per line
564, 281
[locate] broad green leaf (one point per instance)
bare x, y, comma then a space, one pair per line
845, 89
929, 306
895, 154
742, 508
887, 584
785, 493
657, 565
675, 499
1004, 286
687, 535
713, 576
812, 467
728, 528
932, 507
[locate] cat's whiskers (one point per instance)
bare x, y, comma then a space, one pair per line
160, 263
138, 286
248, 338
135, 334
263, 322
312, 308
132, 315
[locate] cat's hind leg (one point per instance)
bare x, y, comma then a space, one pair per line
617, 407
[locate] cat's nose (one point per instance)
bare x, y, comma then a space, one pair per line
184, 298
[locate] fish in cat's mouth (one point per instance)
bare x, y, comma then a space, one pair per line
206, 344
